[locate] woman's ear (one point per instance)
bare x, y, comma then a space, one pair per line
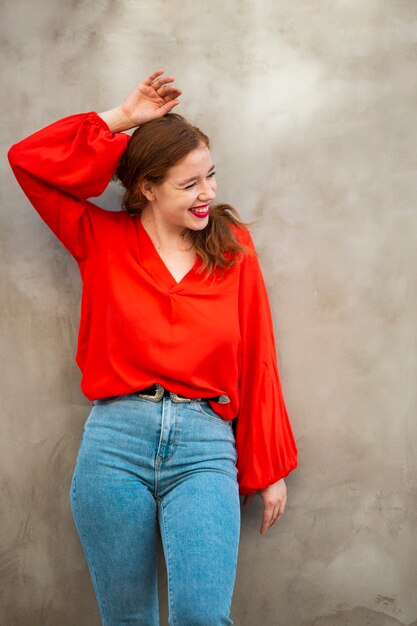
147, 189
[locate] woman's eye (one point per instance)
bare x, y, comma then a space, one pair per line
192, 184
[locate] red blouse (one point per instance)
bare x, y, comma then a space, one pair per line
138, 326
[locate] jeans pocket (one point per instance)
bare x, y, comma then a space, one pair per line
205, 409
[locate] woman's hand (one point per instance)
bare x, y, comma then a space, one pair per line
275, 499
152, 98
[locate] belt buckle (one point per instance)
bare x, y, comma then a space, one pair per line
158, 394
178, 399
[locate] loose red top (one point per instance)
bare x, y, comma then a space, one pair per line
138, 326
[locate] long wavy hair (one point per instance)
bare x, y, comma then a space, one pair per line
156, 146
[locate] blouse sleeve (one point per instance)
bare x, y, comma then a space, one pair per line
62, 165
264, 440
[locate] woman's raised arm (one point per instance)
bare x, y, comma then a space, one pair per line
152, 98
62, 165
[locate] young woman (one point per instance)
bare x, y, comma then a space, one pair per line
177, 353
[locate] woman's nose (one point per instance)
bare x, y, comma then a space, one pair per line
207, 191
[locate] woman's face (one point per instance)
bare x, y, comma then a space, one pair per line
183, 198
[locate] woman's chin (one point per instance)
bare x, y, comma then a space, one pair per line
199, 226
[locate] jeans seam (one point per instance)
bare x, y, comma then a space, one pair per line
88, 554
168, 564
173, 420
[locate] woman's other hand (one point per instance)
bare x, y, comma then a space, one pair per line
152, 98
275, 499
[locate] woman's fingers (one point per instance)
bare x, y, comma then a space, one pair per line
278, 513
167, 107
152, 77
160, 85
160, 82
267, 517
156, 83
272, 513
274, 504
168, 92
152, 98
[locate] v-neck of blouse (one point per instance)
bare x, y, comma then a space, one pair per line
152, 261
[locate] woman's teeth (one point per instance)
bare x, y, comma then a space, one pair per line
200, 212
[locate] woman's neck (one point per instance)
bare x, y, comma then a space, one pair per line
164, 237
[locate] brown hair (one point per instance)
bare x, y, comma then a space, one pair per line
153, 148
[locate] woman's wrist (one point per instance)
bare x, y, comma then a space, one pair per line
116, 120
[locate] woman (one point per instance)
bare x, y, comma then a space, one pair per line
177, 353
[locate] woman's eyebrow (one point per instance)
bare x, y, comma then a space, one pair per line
194, 177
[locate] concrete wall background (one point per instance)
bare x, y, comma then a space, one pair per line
311, 107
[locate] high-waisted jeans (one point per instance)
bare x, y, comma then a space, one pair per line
142, 464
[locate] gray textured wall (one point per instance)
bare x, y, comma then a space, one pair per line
311, 107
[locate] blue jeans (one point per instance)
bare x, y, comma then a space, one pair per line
142, 464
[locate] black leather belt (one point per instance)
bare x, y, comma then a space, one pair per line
156, 392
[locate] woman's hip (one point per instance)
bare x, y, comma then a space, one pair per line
160, 442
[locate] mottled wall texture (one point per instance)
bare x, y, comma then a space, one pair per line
311, 107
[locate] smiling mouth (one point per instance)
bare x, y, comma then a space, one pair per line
201, 210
